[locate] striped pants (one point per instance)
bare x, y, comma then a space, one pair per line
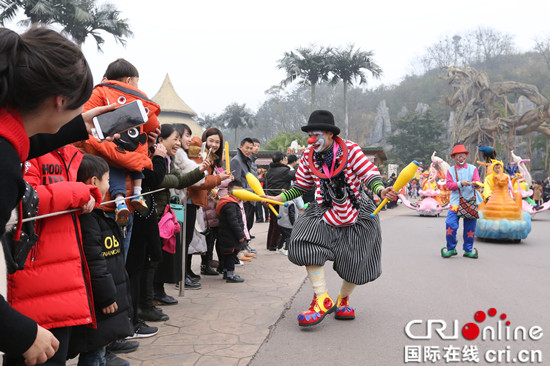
355, 249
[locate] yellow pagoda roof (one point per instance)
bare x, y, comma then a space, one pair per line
170, 101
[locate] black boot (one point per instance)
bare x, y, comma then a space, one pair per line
207, 270
161, 297
147, 288
190, 285
188, 270
152, 314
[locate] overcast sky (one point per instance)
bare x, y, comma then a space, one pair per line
220, 52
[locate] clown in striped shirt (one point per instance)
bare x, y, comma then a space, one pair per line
337, 226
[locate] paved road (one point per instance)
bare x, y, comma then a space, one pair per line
418, 284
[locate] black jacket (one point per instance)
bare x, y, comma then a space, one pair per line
231, 227
278, 177
104, 252
145, 240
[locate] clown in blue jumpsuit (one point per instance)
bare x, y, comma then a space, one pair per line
461, 177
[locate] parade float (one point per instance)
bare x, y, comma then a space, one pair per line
502, 216
434, 195
524, 182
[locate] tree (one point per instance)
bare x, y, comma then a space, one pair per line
417, 137
83, 18
477, 116
283, 112
468, 49
347, 66
283, 140
208, 120
79, 18
491, 43
308, 65
235, 116
542, 46
35, 10
447, 51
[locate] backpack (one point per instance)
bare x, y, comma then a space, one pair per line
17, 247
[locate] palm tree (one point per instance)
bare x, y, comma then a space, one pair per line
79, 18
207, 120
83, 18
347, 66
35, 10
283, 140
236, 115
309, 65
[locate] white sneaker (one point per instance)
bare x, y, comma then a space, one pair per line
282, 251
240, 263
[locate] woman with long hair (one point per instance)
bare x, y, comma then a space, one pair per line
215, 147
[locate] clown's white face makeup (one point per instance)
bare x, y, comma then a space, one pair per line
319, 140
460, 158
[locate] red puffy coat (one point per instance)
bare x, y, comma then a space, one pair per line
130, 151
54, 288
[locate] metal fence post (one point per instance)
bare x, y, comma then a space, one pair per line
183, 246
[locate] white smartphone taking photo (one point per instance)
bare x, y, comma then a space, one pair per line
119, 120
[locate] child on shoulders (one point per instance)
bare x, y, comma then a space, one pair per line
130, 152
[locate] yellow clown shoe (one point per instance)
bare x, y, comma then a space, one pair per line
343, 310
319, 308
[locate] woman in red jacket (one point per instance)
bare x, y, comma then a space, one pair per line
54, 287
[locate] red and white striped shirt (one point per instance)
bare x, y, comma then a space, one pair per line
358, 169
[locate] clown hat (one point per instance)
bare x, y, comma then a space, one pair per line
459, 149
321, 120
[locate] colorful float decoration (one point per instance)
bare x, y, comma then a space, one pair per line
518, 169
434, 195
502, 216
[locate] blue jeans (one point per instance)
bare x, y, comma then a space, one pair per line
92, 358
117, 180
261, 210
451, 227
129, 226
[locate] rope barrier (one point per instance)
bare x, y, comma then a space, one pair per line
79, 209
10, 223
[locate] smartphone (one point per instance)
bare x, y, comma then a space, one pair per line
119, 120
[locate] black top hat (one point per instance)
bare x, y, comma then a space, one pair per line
321, 121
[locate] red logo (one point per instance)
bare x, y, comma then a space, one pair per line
470, 331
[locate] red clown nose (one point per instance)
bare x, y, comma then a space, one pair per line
312, 139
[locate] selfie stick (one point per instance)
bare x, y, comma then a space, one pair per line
402, 179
